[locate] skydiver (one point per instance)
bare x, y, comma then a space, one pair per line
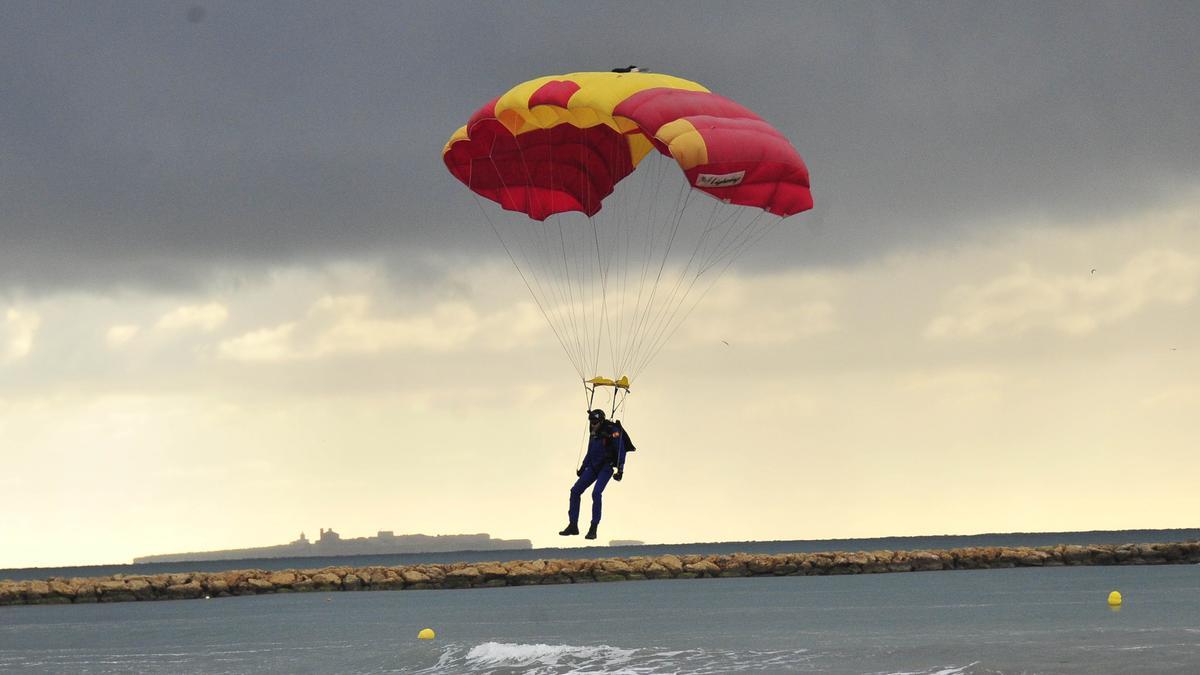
627, 69
607, 445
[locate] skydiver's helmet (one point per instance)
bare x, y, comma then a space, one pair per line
596, 416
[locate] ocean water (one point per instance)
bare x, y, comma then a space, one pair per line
1031, 620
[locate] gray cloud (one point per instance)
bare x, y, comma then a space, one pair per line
139, 146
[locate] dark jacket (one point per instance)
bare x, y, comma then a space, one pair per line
607, 446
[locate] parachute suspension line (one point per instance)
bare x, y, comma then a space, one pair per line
543, 248
536, 301
730, 253
648, 248
574, 360
533, 243
604, 259
670, 326
712, 282
596, 271
670, 305
624, 236
602, 264
592, 270
738, 243
728, 225
580, 283
638, 331
614, 252
570, 294
670, 311
558, 300
617, 404
589, 395
660, 224
555, 280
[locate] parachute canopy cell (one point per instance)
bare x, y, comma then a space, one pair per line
561, 143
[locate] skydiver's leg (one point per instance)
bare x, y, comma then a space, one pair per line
598, 492
585, 479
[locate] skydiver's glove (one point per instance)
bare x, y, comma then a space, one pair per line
619, 474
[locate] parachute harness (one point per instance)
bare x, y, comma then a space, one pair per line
619, 395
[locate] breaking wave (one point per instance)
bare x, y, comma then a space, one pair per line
544, 659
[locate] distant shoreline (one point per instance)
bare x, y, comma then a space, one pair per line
331, 544
462, 575
941, 541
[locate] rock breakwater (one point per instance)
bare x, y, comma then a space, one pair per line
180, 586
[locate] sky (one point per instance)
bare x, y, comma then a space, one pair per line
241, 297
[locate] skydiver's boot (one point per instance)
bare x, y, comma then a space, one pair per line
591, 531
572, 528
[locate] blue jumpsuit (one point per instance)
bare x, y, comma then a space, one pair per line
597, 468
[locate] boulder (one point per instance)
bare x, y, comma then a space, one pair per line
436, 573
412, 576
386, 580
523, 575
1173, 552
493, 571
63, 589
765, 564
1074, 555
462, 577
282, 578
702, 567
924, 561
655, 570
191, 589
159, 582
11, 593
672, 563
257, 585
1031, 558
860, 559
326, 581
580, 571
36, 592
114, 590
1101, 555
616, 567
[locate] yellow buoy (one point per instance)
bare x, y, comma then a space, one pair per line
426, 634
1114, 599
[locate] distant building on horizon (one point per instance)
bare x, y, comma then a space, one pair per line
626, 542
330, 543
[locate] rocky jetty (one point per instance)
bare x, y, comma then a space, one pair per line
122, 588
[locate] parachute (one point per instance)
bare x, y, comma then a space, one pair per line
610, 239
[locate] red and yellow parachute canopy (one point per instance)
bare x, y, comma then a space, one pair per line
562, 142
615, 284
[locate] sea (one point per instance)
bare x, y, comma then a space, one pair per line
1023, 620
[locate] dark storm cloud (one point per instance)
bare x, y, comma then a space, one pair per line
144, 143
